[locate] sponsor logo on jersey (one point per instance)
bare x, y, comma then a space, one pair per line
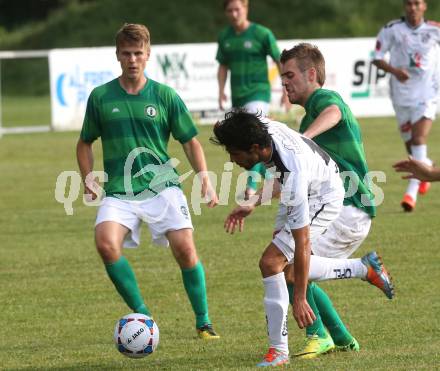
415, 60
150, 111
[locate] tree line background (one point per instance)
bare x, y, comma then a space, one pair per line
46, 24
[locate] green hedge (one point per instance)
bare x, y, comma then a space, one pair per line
94, 23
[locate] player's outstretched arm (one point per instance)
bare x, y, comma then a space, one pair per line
302, 312
194, 153
327, 119
235, 219
417, 169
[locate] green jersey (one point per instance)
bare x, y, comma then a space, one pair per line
245, 54
344, 144
135, 130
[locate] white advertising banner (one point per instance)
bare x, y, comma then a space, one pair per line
73, 75
349, 71
191, 69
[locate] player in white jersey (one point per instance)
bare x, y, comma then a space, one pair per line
312, 194
413, 45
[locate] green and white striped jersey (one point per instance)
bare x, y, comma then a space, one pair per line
135, 130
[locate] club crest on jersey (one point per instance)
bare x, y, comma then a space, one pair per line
425, 37
150, 111
184, 211
247, 44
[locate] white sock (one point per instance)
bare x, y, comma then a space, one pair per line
322, 269
413, 188
276, 305
419, 152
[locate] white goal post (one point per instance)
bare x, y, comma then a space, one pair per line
12, 54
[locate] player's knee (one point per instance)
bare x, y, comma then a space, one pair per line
268, 266
107, 249
288, 274
185, 255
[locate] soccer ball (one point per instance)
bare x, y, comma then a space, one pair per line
136, 335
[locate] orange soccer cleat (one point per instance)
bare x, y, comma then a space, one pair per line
408, 203
424, 187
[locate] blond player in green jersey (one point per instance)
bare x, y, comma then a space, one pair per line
330, 123
134, 116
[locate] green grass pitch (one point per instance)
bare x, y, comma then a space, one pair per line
58, 308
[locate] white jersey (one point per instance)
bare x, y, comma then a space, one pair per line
417, 51
309, 177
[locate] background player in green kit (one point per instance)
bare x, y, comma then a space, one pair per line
330, 123
243, 47
134, 117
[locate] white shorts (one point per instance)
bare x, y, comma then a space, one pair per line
321, 216
344, 236
257, 106
408, 116
281, 218
167, 211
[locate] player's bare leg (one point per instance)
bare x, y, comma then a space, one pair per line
109, 237
421, 130
408, 146
419, 135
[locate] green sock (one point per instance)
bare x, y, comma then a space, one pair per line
195, 286
317, 327
331, 318
123, 278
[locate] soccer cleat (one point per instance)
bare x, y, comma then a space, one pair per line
377, 275
315, 346
424, 187
352, 346
274, 358
408, 203
206, 332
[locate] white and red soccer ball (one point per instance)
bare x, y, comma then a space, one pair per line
136, 335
